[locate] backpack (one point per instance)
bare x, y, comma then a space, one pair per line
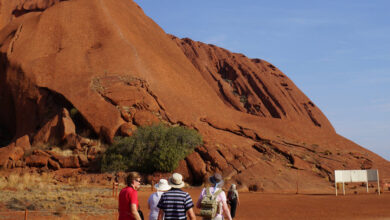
232, 195
209, 204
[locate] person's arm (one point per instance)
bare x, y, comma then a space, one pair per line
134, 211
198, 203
191, 214
226, 210
200, 199
160, 215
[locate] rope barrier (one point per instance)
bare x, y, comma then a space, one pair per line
55, 211
27, 212
115, 188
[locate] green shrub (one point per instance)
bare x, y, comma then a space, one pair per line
151, 148
243, 99
73, 112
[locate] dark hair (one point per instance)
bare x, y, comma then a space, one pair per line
132, 176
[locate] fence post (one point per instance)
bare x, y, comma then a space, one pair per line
25, 214
116, 189
113, 189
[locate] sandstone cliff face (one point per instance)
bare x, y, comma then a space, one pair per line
110, 65
253, 86
9, 10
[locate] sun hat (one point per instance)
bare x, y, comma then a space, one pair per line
176, 181
216, 179
162, 185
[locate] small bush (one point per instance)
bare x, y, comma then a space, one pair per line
244, 99
151, 148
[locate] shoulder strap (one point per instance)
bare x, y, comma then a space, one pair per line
208, 191
218, 192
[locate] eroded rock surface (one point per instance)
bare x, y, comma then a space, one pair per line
75, 71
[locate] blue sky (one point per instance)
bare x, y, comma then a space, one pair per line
336, 51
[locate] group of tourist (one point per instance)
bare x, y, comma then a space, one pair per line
171, 202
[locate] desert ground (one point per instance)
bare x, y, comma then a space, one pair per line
80, 200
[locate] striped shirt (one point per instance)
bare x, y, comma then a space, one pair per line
175, 204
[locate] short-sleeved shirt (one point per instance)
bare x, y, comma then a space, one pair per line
153, 201
127, 196
175, 204
220, 198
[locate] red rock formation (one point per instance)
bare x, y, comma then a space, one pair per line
56, 130
112, 66
37, 161
253, 86
12, 153
10, 10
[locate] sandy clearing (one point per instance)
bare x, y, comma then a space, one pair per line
272, 206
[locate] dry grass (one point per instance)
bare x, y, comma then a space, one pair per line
100, 146
41, 192
62, 152
23, 182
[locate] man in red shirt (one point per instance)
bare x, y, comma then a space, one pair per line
128, 198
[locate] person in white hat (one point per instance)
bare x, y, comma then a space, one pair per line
176, 204
161, 187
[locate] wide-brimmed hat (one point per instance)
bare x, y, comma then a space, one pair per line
162, 185
216, 179
176, 181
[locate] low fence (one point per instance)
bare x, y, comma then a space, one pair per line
63, 214
52, 214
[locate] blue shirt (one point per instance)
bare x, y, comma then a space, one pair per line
175, 204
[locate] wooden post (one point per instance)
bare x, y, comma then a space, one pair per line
113, 189
117, 188
367, 186
336, 185
343, 189
25, 214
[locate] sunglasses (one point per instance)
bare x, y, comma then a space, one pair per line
139, 181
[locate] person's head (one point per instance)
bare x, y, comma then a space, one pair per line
162, 185
233, 187
134, 180
176, 181
216, 180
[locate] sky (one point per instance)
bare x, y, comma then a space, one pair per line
336, 51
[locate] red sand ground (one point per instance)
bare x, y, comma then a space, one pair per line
277, 206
